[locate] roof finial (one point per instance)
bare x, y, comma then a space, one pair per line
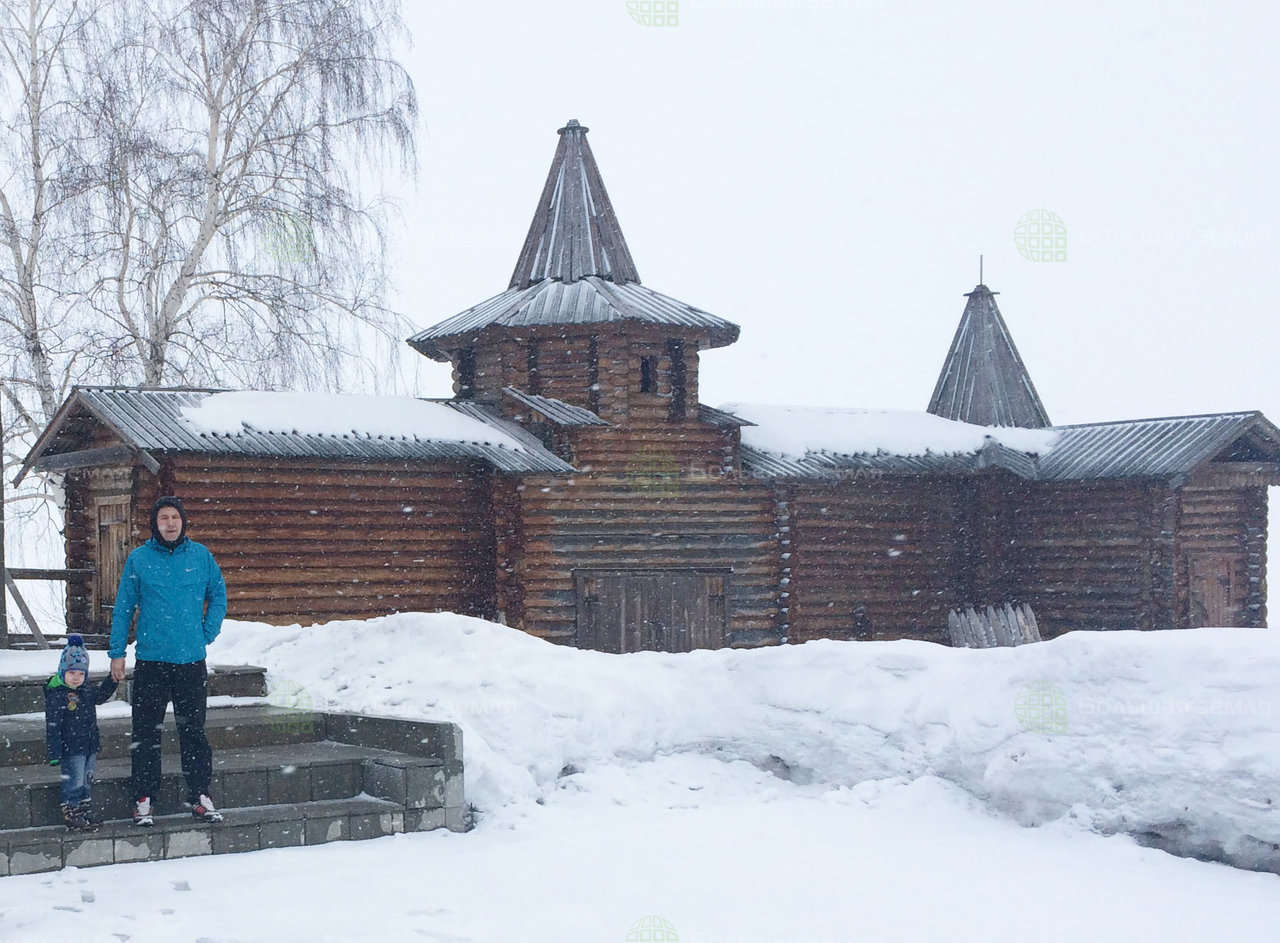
572, 126
979, 268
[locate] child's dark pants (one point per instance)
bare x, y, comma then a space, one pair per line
155, 684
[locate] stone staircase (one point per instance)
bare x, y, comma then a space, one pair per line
281, 777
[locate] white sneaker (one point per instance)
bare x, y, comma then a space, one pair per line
203, 808
142, 812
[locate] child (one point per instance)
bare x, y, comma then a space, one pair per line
71, 730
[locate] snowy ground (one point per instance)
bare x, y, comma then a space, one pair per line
830, 791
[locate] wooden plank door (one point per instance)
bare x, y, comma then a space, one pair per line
112, 549
1217, 590
650, 610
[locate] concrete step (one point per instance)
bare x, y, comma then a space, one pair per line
252, 776
23, 694
22, 739
30, 850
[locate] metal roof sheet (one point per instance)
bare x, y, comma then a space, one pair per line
1138, 448
983, 380
151, 419
718, 417
558, 411
575, 231
589, 300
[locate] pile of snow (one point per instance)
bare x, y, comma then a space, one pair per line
796, 430
335, 414
1173, 737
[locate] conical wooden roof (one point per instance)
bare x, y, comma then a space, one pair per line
983, 380
575, 232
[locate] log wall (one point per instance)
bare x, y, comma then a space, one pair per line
1084, 553
613, 522
303, 540
874, 557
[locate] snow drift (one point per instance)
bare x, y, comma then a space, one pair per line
1171, 737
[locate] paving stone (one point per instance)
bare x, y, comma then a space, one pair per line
457, 819
245, 788
423, 820
453, 791
144, 847
335, 781
376, 825
87, 852
291, 784
386, 781
15, 807
189, 842
229, 839
321, 830
33, 858
281, 834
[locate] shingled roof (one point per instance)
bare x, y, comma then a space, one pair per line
983, 379
574, 267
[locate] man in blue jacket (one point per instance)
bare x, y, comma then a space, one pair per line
176, 588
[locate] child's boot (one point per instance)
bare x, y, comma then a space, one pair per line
86, 813
72, 818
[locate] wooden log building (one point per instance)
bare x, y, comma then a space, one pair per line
630, 516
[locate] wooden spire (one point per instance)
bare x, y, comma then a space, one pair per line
983, 380
574, 231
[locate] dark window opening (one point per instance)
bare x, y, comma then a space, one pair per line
535, 378
466, 373
675, 350
648, 374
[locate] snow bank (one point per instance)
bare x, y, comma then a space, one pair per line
796, 430
1173, 737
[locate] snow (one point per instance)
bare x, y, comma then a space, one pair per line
796, 430
336, 414
805, 793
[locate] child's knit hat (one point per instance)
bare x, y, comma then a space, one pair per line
74, 657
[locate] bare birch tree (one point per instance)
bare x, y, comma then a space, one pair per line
225, 225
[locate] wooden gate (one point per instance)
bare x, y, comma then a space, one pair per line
651, 610
1217, 589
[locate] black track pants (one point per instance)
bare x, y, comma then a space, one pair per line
155, 684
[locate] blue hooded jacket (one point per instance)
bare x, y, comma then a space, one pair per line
169, 587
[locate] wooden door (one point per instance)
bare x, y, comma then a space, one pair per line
1217, 589
113, 548
651, 610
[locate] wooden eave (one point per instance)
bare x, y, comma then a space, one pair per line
64, 414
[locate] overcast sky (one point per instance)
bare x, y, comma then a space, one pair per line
825, 174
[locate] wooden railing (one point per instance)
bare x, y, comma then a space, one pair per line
13, 573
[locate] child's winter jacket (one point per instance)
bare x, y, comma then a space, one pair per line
71, 716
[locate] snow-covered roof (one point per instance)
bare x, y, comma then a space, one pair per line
816, 442
340, 426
